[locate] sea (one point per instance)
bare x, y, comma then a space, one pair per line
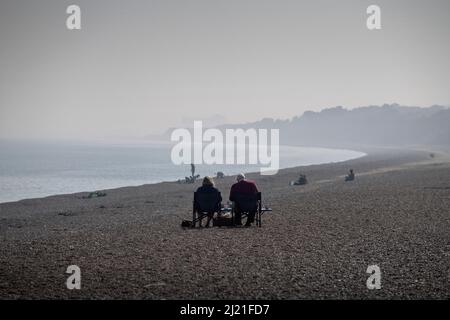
40, 169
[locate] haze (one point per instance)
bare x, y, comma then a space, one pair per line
139, 67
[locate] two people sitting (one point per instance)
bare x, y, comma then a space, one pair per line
242, 187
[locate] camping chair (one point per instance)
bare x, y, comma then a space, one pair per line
247, 204
204, 204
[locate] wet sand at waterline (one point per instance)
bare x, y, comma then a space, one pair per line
317, 242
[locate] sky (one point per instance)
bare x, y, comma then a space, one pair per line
139, 67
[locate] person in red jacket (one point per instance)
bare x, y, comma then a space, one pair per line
246, 187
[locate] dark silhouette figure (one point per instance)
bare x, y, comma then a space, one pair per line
243, 187
350, 176
192, 170
301, 180
191, 179
220, 175
208, 188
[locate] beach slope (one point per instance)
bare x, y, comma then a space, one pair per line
317, 243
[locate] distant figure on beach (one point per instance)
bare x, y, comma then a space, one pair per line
208, 187
350, 176
191, 179
300, 181
192, 170
246, 187
220, 175
193, 176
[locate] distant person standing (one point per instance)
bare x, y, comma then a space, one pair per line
192, 170
243, 187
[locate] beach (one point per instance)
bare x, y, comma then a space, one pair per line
316, 243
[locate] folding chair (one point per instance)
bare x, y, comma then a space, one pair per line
204, 204
247, 204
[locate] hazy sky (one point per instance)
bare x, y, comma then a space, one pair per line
138, 67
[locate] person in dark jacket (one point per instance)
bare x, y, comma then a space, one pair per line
244, 187
208, 187
350, 176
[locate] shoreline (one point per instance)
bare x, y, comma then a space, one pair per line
366, 150
176, 180
316, 244
369, 154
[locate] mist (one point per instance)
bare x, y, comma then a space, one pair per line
140, 67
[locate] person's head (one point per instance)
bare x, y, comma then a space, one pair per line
208, 182
240, 177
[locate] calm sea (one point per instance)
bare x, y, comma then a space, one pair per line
32, 170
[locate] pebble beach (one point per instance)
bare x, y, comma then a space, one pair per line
317, 243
